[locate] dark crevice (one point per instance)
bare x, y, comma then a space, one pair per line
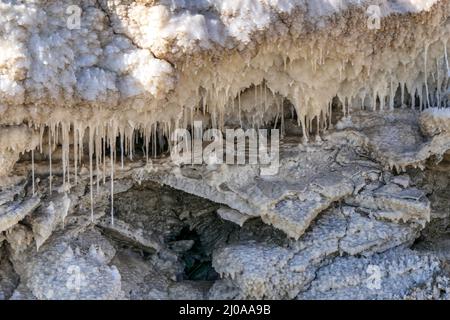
198, 264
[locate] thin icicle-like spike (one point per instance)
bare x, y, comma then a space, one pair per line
64, 165
146, 143
426, 76
80, 150
446, 60
447, 77
41, 137
131, 144
91, 184
282, 116
121, 150
154, 141
97, 156
112, 190
67, 138
438, 81
239, 106
75, 153
151, 137
303, 124
136, 139
50, 178
32, 172
65, 147
112, 151
104, 154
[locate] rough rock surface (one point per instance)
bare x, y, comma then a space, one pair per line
335, 222
92, 205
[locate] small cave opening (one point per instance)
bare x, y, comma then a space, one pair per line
197, 262
163, 223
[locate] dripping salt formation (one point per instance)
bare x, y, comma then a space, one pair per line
156, 75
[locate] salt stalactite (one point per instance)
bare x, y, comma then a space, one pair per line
112, 148
311, 109
32, 172
121, 151
146, 145
447, 76
103, 135
41, 137
65, 154
446, 60
91, 150
98, 144
439, 85
50, 178
75, 154
154, 140
60, 140
426, 75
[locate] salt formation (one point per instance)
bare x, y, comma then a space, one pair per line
91, 205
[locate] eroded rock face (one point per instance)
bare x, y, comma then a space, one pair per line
335, 222
390, 275
93, 207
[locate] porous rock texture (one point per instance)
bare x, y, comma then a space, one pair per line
93, 207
